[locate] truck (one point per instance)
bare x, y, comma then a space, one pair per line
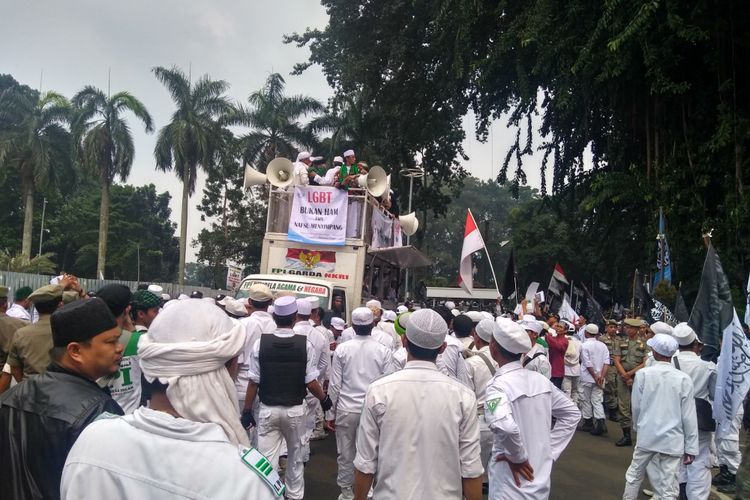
341, 276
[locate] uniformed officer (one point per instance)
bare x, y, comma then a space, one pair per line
610, 387
29, 351
281, 366
8, 326
629, 356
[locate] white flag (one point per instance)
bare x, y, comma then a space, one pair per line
732, 375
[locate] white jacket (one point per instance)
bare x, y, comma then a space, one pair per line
151, 455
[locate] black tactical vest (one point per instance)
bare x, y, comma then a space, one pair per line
283, 363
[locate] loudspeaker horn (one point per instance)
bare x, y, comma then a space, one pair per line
280, 172
409, 223
253, 177
375, 181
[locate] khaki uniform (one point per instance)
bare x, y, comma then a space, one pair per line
30, 347
632, 353
8, 327
610, 387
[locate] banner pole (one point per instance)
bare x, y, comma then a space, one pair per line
486, 251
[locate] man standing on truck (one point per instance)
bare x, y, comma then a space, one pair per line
301, 176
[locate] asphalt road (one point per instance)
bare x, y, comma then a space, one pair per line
590, 466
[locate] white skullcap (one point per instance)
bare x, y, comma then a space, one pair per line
528, 318
224, 301
426, 329
450, 304
338, 159
187, 347
165, 296
488, 315
401, 309
511, 336
475, 316
389, 316
373, 304
683, 334
304, 308
303, 155
314, 302
348, 152
666, 345
236, 307
592, 329
534, 326
182, 296
362, 316
285, 306
662, 327
56, 280
455, 312
155, 289
485, 328
338, 323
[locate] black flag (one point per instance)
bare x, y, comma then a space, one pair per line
509, 280
680, 309
713, 309
648, 307
593, 310
642, 299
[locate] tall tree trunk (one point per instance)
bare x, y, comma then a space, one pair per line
28, 216
101, 260
183, 231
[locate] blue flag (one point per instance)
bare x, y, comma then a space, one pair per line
663, 258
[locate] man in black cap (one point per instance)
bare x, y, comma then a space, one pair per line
125, 384
41, 417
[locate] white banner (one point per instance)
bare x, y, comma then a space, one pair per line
318, 216
732, 375
234, 276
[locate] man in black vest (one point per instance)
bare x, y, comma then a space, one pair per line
282, 365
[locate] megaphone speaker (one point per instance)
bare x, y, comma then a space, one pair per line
253, 177
409, 223
280, 172
375, 181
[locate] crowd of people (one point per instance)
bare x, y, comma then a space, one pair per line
125, 394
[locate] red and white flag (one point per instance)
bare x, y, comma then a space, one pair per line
473, 242
558, 278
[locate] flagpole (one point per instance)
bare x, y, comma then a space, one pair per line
486, 251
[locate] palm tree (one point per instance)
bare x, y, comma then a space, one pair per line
274, 120
191, 139
35, 141
104, 145
350, 123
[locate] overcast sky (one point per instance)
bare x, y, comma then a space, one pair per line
76, 43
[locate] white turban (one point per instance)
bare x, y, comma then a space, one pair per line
187, 347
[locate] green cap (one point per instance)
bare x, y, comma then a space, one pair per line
633, 322
4, 291
23, 293
46, 293
400, 324
143, 300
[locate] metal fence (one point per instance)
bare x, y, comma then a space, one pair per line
17, 280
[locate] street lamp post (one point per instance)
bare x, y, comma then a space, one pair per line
411, 173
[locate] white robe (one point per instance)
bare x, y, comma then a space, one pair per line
151, 455
519, 408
